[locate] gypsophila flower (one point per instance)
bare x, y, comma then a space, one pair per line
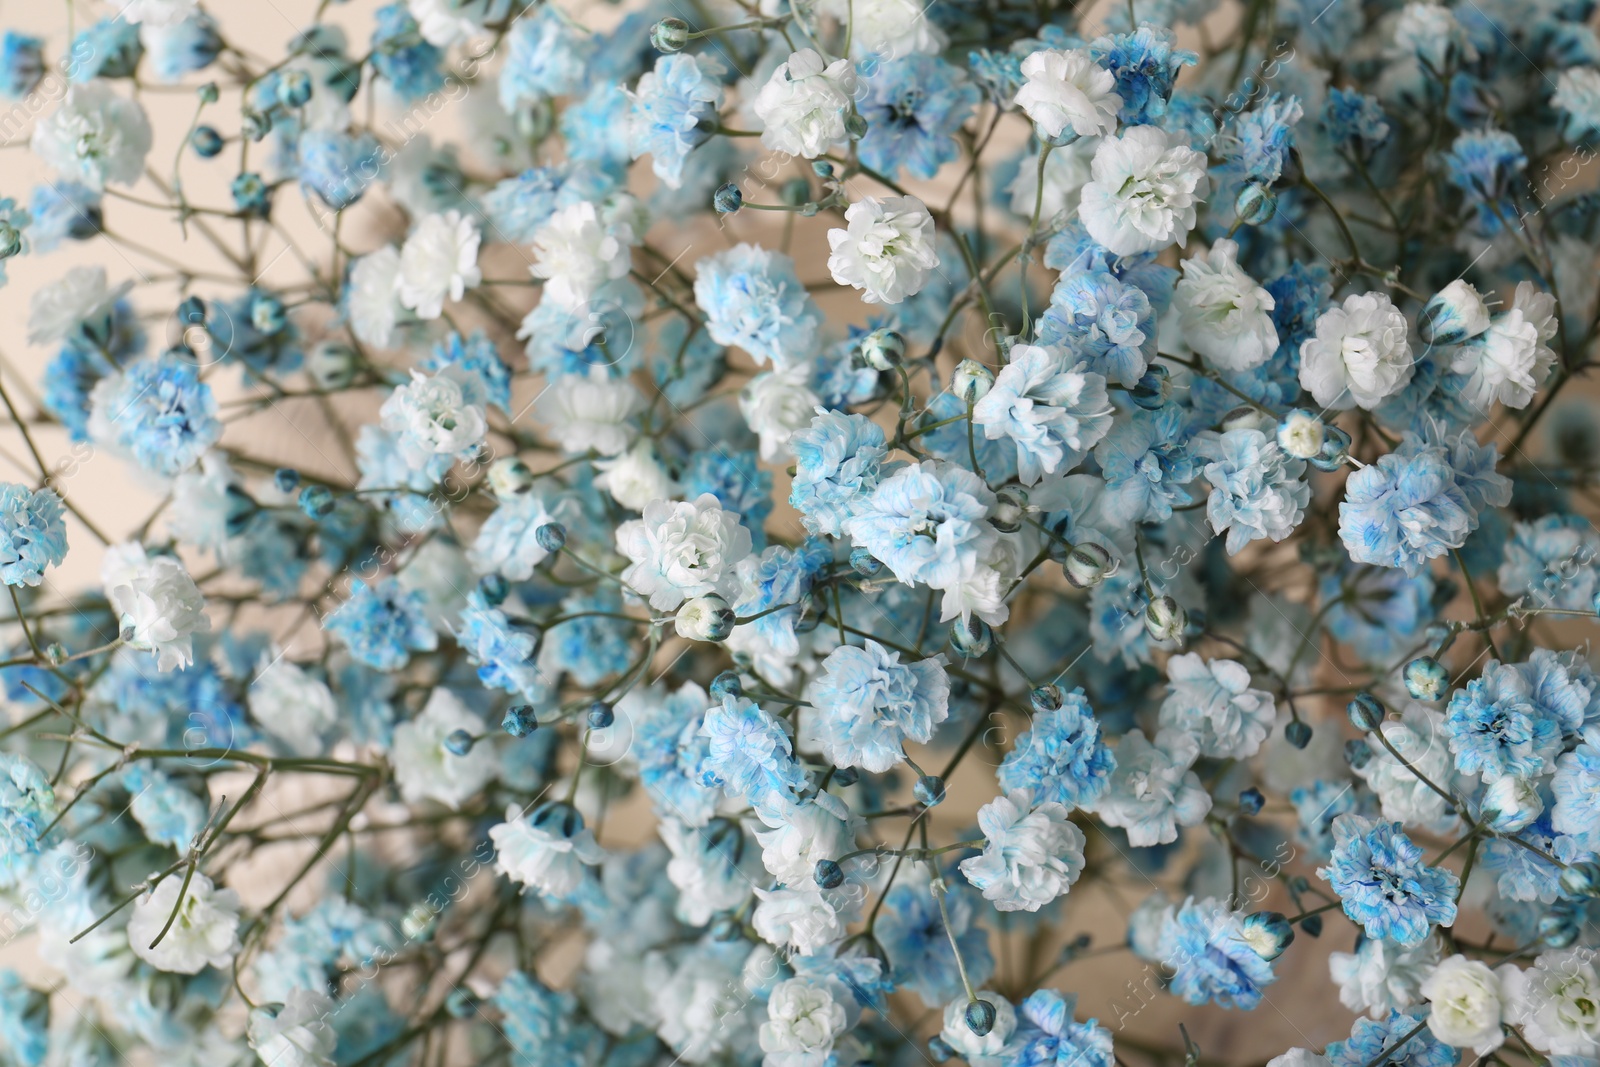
382, 624
751, 756
1371, 1040
1047, 1036
32, 535
1556, 1002
158, 606
914, 105
438, 263
545, 850
869, 704
1054, 410
95, 136
204, 933
1257, 490
1466, 1005
1152, 790
1379, 876
1224, 315
1063, 759
1213, 700
1068, 91
1496, 729
1144, 191
577, 251
887, 249
669, 106
753, 299
157, 411
1381, 976
1360, 354
803, 105
1204, 943
839, 460
682, 549
1031, 853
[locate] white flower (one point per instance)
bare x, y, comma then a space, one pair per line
546, 851
198, 515
802, 1021
1299, 1057
1225, 316
583, 412
1031, 855
1456, 313
1301, 434
1360, 354
441, 21
1512, 803
776, 404
804, 104
372, 299
1466, 1008
1503, 364
1145, 188
1417, 735
157, 600
425, 769
95, 136
1213, 701
1153, 791
888, 29
1381, 976
290, 704
887, 251
1578, 94
809, 833
81, 295
205, 933
435, 416
1556, 1002
988, 1050
1068, 91
1430, 32
801, 919
703, 1006
158, 12
297, 1033
682, 549
438, 262
1066, 171
576, 252
704, 869
635, 477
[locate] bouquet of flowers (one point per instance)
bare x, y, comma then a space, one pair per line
807, 533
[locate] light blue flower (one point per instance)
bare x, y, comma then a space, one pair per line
503, 653
1203, 944
1385, 888
1564, 687
1405, 509
1375, 610
1049, 405
547, 55
109, 48
774, 586
27, 807
1484, 165
62, 210
237, 337
190, 45
382, 624
1576, 786
543, 1027
337, 167
927, 523
21, 64
1496, 729
1319, 804
1369, 1040
952, 443
868, 704
1047, 1036
478, 356
838, 461
674, 108
750, 755
1523, 874
914, 105
563, 340
24, 1020
753, 299
1257, 490
1146, 66
596, 128
1550, 563
590, 647
32, 535
1063, 758
400, 55
913, 937
1261, 140
389, 482
1108, 322
671, 749
168, 813
739, 484
1147, 465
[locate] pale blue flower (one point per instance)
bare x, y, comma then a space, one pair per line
60, 211
1576, 786
479, 357
543, 1027
670, 748
868, 704
1147, 466
389, 482
546, 55
1485, 165
913, 106
1146, 66
1104, 320
382, 624
32, 535
1383, 884
190, 45
1564, 688
1202, 942
339, 167
927, 523
1261, 140
400, 55
913, 936
754, 300
1405, 509
838, 461
27, 807
1496, 729
1374, 610
751, 756
24, 1020
589, 646
1319, 804
1047, 1036
1354, 119
1050, 406
674, 107
596, 127
503, 653
1550, 563
1258, 491
1369, 1040
168, 813
1522, 874
1063, 758
21, 64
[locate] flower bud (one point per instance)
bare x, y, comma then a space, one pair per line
251, 196
520, 720
1255, 204
267, 313
971, 637
971, 381
294, 88
333, 364
1011, 505
669, 35
461, 1004
509, 477
557, 817
1165, 619
316, 501
1088, 564
1267, 933
1301, 434
552, 536
209, 93
419, 923
1153, 389
727, 199
939, 1049
1245, 417
1251, 801
10, 240
1426, 678
1511, 804
600, 715
459, 742
980, 1017
1357, 754
929, 790
1047, 697
1558, 929
726, 684
705, 618
882, 349
865, 563
255, 125
1297, 733
828, 874
1366, 712
1335, 449
1581, 879
1455, 314
822, 168
1312, 925
286, 479
855, 127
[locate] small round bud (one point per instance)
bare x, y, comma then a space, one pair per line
828, 874
1581, 879
251, 196
980, 1017
727, 684
557, 817
1366, 712
1255, 204
494, 589
519, 720
209, 93
461, 1004
316, 501
333, 364
255, 125
509, 477
1297, 733
1153, 389
1251, 801
939, 1049
419, 923
1455, 314
57, 653
601, 716
294, 88
1312, 925
727, 199
1267, 933
882, 349
855, 127
669, 35
1357, 753
1010, 508
552, 536
929, 790
971, 381
241, 509
1088, 564
1165, 619
1558, 929
459, 742
971, 637
1047, 697
267, 313
10, 240
1335, 449
286, 479
822, 168
1426, 678
864, 563
705, 618
845, 777
1301, 434
191, 311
